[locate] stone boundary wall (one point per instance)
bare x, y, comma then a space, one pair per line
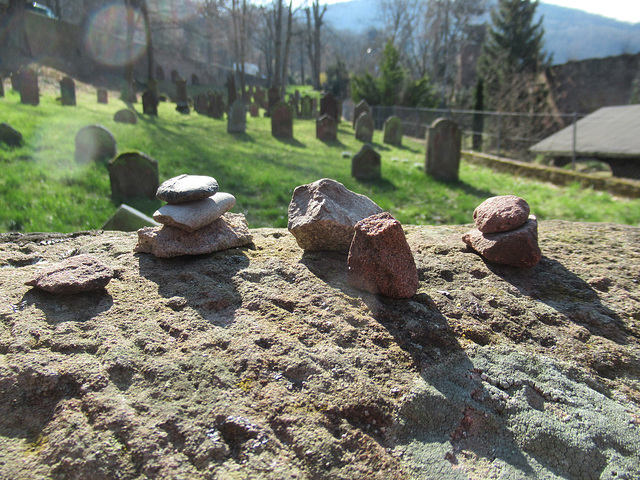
616, 186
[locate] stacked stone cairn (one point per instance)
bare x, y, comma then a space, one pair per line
325, 215
195, 221
505, 233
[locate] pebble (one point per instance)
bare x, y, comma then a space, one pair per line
187, 188
323, 214
380, 260
501, 214
81, 273
196, 214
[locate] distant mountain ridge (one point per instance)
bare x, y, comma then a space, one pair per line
570, 34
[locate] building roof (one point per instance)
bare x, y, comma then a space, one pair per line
608, 132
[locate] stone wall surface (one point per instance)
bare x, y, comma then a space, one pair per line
264, 363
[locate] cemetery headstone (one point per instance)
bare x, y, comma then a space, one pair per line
125, 116
393, 131
366, 164
182, 98
94, 143
150, 103
254, 110
159, 73
326, 129
260, 98
201, 103
10, 135
103, 95
442, 160
128, 219
68, 91
365, 128
29, 91
282, 121
175, 76
15, 81
329, 106
305, 107
133, 175
348, 110
314, 107
237, 121
273, 97
361, 107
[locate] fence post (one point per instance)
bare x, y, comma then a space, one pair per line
575, 138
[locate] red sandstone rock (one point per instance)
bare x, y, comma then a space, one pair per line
501, 214
380, 260
81, 273
518, 247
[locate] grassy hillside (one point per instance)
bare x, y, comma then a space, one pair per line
42, 188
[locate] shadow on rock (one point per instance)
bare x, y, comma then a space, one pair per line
78, 307
202, 282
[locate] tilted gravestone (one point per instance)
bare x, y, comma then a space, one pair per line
68, 91
282, 121
326, 129
133, 175
150, 103
29, 91
201, 103
365, 128
329, 106
366, 164
125, 116
182, 98
361, 107
94, 143
393, 131
305, 107
237, 121
442, 160
10, 135
128, 219
159, 73
103, 95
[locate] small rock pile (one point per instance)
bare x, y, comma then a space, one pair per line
325, 215
505, 232
195, 220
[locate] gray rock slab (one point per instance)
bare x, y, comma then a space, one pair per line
187, 188
322, 215
81, 273
10, 135
195, 215
128, 219
229, 231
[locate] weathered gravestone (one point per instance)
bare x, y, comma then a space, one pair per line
366, 164
94, 143
273, 97
393, 131
282, 121
201, 104
237, 121
305, 107
150, 103
182, 98
175, 76
329, 106
125, 116
365, 128
29, 91
10, 135
103, 95
213, 106
314, 107
133, 175
348, 109
254, 110
128, 219
159, 73
68, 91
326, 129
361, 107
443, 150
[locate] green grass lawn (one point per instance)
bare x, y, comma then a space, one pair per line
42, 188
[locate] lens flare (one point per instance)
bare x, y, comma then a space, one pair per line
106, 36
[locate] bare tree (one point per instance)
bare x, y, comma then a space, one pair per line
314, 42
280, 34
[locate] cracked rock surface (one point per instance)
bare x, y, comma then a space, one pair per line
263, 362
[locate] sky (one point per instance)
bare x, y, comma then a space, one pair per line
625, 10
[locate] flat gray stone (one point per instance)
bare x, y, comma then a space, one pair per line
187, 188
322, 215
81, 273
229, 231
195, 215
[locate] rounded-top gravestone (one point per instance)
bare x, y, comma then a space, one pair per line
360, 108
282, 121
237, 121
442, 160
68, 92
125, 116
393, 131
133, 175
29, 90
95, 143
365, 127
326, 129
366, 164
